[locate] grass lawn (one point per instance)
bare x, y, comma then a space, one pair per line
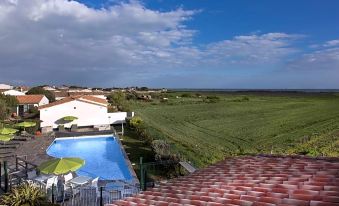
136, 148
207, 132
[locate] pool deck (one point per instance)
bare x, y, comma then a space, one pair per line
35, 150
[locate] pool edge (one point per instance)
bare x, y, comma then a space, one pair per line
134, 179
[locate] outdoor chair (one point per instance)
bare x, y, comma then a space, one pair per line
68, 177
74, 128
61, 128
94, 182
50, 182
31, 175
26, 135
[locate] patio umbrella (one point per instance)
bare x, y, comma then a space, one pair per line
6, 131
69, 118
60, 166
6, 138
25, 124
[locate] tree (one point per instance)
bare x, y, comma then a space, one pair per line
39, 90
7, 102
143, 88
3, 110
118, 99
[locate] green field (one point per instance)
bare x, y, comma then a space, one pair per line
279, 123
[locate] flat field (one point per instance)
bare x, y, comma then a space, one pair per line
206, 131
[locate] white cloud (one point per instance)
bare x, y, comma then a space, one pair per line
61, 41
332, 43
320, 59
254, 49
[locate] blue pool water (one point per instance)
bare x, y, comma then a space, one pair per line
103, 156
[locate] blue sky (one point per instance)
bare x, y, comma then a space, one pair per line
219, 20
171, 43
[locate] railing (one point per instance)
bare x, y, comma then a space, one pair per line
15, 175
21, 161
162, 170
89, 195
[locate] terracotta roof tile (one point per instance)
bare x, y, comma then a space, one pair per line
29, 99
84, 98
258, 180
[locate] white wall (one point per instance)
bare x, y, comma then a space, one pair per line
44, 101
117, 117
13, 93
5, 86
87, 114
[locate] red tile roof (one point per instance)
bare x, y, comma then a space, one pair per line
83, 98
29, 99
255, 181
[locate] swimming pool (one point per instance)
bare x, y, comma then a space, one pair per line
103, 156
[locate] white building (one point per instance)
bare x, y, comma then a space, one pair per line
5, 86
89, 110
13, 92
48, 88
26, 102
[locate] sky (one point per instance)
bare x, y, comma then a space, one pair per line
227, 44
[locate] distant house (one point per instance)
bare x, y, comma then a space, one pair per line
90, 111
63, 94
23, 89
48, 88
5, 87
26, 102
13, 92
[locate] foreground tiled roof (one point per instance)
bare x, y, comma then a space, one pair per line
83, 98
29, 99
256, 181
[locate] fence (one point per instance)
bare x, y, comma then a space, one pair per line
89, 195
151, 173
13, 176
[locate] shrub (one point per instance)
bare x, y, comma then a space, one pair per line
118, 99
7, 103
187, 95
131, 96
25, 194
161, 149
211, 99
243, 99
33, 110
32, 130
135, 122
4, 113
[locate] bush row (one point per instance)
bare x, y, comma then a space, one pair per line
153, 138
